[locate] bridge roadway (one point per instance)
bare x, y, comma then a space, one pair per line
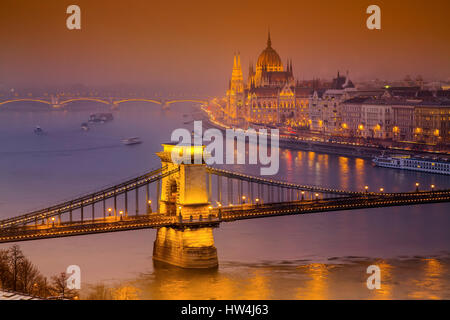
218, 215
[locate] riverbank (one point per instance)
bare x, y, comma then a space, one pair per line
336, 148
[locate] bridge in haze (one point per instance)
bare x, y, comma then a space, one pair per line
114, 102
190, 201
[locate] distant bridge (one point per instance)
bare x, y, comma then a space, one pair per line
57, 102
187, 208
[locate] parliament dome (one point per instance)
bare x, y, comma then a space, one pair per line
269, 59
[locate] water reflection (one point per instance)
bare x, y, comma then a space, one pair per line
431, 285
342, 278
316, 288
385, 292
343, 172
359, 172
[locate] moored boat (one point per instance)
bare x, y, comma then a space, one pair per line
405, 162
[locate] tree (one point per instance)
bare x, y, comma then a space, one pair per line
5, 274
28, 275
59, 287
41, 287
15, 258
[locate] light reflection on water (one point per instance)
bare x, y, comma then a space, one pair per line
39, 171
407, 278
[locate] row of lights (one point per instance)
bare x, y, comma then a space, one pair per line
366, 188
417, 187
257, 200
149, 202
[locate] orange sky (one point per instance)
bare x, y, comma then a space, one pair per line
189, 45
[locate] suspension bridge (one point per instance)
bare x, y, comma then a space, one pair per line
185, 202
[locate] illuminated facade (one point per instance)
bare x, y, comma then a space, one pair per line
270, 95
403, 123
432, 123
377, 120
325, 106
425, 121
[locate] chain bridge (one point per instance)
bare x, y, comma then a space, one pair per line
185, 202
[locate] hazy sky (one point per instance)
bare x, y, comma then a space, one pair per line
189, 45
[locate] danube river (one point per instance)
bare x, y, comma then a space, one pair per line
299, 257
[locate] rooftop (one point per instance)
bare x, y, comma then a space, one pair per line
420, 102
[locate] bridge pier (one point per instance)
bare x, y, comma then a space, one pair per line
186, 248
164, 105
184, 195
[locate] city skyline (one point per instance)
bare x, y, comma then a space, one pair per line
128, 44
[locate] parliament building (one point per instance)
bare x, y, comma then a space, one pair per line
270, 96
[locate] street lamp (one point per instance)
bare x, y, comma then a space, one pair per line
243, 199
366, 188
381, 190
109, 211
149, 206
303, 195
432, 187
317, 196
257, 200
417, 187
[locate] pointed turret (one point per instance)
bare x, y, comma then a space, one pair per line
237, 79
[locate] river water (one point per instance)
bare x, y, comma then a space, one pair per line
298, 257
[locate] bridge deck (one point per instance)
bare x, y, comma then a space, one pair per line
218, 215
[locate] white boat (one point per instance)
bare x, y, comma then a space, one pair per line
133, 140
406, 162
85, 126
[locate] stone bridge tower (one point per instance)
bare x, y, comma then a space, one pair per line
184, 194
